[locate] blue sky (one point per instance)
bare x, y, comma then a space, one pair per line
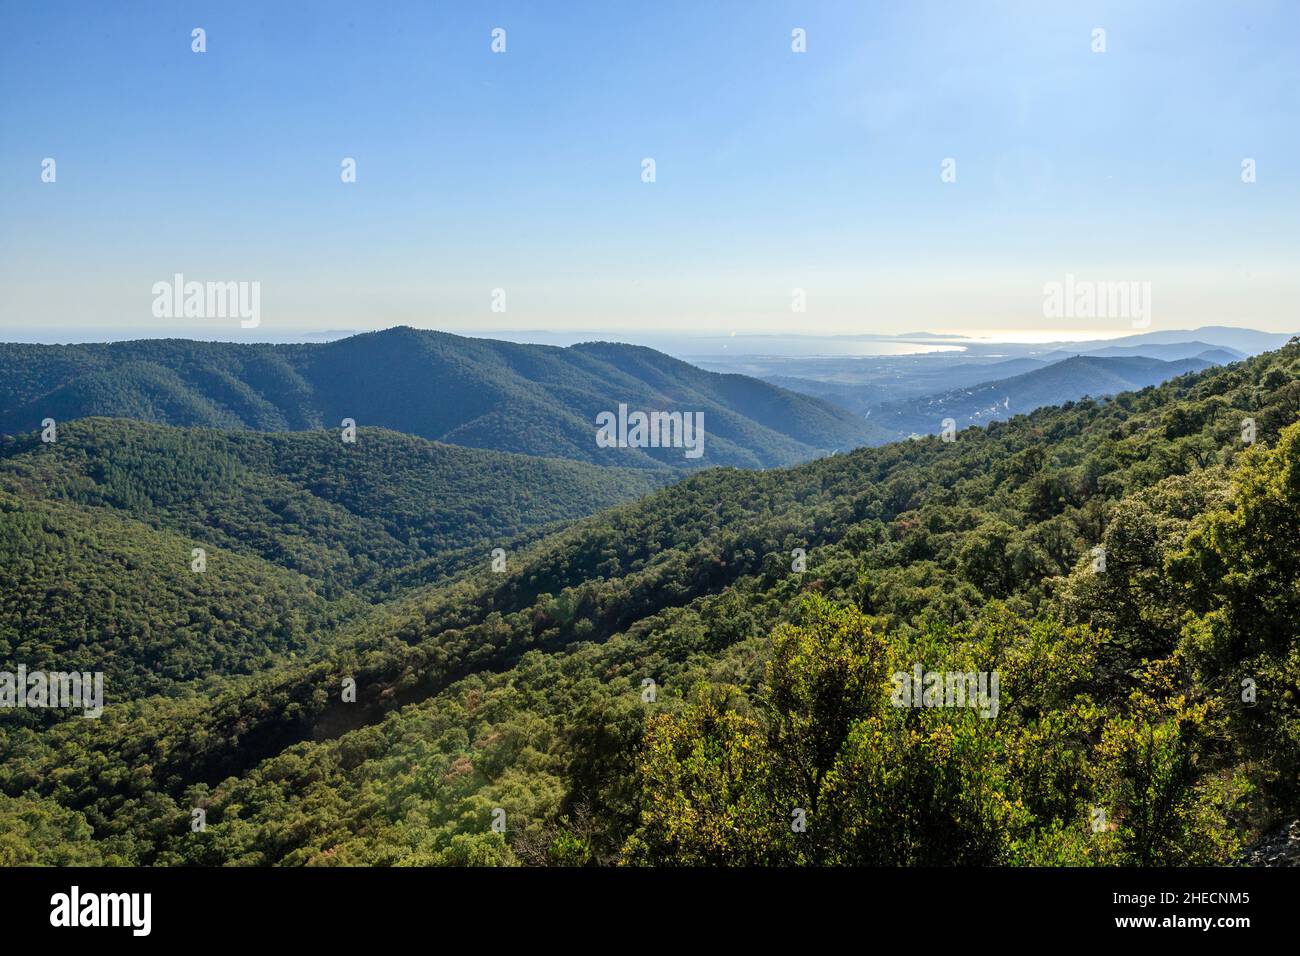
522, 170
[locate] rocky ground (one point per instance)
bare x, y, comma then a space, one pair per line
1279, 848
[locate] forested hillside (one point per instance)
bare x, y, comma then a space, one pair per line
1148, 714
344, 513
531, 399
91, 589
299, 531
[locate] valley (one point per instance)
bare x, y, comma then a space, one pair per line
522, 690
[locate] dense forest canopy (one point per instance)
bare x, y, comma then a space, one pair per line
299, 532
703, 675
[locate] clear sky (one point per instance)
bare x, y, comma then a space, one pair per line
523, 171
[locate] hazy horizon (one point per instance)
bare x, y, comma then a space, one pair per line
916, 342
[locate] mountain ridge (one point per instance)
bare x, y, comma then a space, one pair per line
1067, 380
530, 399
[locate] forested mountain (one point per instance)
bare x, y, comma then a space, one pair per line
1062, 381
531, 399
343, 513
299, 531
526, 696
90, 589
